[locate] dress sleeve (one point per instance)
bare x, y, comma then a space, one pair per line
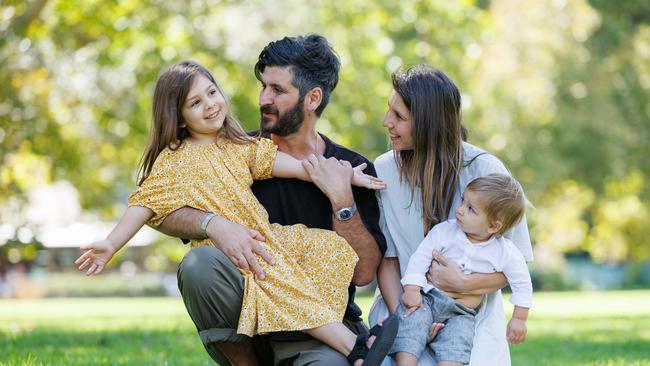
261, 157
164, 190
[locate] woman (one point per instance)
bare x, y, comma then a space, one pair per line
426, 171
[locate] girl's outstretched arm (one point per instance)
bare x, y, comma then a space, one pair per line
285, 166
98, 254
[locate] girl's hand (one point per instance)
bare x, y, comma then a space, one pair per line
361, 179
96, 256
516, 332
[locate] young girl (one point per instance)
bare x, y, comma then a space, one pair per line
199, 156
490, 206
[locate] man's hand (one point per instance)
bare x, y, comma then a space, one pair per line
516, 332
239, 244
332, 177
412, 299
96, 255
445, 274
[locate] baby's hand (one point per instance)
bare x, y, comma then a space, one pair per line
412, 299
362, 179
96, 256
516, 331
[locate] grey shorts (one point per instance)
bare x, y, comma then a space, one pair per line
453, 343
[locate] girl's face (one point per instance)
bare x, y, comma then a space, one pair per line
398, 122
204, 110
472, 219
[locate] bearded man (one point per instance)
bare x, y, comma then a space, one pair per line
297, 75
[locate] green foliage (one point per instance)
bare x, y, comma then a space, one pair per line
557, 89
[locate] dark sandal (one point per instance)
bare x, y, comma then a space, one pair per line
384, 337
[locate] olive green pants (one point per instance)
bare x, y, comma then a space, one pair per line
212, 288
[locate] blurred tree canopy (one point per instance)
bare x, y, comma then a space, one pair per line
558, 89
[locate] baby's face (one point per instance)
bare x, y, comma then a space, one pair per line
472, 218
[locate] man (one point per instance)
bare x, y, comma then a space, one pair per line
297, 75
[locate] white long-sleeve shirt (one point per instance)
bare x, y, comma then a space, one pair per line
497, 254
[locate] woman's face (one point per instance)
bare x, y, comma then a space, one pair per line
204, 110
398, 122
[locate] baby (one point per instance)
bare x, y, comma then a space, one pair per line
490, 206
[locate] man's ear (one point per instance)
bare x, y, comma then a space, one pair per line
313, 99
495, 226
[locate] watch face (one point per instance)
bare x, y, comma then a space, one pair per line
345, 214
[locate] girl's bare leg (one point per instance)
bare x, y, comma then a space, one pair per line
339, 337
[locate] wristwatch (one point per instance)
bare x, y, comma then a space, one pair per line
346, 213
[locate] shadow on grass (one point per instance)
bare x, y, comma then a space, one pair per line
125, 347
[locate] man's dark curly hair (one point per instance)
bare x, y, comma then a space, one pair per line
313, 62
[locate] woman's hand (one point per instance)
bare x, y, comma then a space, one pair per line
445, 274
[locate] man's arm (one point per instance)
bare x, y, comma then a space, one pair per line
445, 275
334, 180
364, 244
184, 223
237, 242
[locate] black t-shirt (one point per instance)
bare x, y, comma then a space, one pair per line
292, 201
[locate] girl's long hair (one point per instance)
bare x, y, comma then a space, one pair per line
171, 90
434, 163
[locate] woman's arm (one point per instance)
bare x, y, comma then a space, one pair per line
388, 278
445, 275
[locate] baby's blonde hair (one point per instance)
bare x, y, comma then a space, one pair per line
502, 197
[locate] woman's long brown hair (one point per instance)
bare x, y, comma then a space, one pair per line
171, 90
434, 163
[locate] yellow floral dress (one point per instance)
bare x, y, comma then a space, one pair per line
308, 287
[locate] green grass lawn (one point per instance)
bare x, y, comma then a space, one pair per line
604, 328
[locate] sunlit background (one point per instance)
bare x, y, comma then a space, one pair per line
558, 89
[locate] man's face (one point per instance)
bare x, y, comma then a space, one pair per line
281, 107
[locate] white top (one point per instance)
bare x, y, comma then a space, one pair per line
497, 254
401, 223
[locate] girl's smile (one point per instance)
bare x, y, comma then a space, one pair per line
204, 110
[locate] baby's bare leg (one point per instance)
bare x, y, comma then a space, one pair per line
406, 359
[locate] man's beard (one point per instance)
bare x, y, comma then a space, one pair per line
288, 123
